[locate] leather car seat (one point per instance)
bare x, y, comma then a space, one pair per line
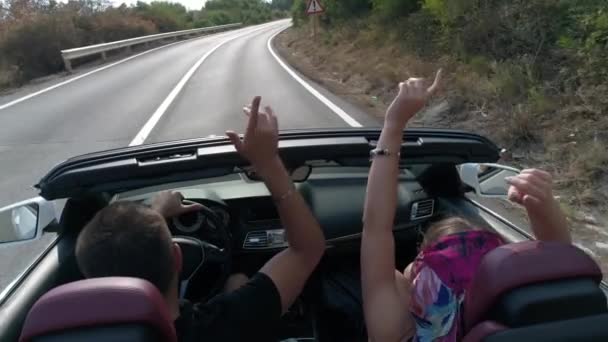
536, 291
100, 309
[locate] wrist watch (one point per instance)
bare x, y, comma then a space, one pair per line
383, 152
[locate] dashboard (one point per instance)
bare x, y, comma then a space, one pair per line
247, 211
253, 223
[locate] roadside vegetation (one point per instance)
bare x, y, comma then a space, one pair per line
530, 74
33, 32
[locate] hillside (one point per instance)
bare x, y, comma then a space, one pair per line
531, 75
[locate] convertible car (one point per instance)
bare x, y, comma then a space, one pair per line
525, 291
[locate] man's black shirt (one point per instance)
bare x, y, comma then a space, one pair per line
250, 313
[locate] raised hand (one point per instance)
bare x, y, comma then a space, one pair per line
169, 204
533, 189
385, 305
260, 143
412, 96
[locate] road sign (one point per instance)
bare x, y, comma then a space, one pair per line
314, 7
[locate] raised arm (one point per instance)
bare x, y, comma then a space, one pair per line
289, 269
386, 311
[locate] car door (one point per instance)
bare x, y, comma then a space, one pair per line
24, 236
28, 233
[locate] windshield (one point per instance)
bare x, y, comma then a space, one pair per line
79, 76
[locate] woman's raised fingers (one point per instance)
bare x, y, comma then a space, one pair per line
540, 181
546, 176
526, 187
273, 118
436, 83
253, 115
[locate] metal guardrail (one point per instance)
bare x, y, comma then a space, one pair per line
70, 54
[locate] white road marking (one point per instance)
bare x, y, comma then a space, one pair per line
153, 120
342, 114
27, 97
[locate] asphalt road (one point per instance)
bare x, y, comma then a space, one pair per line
161, 90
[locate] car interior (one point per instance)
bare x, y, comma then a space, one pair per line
515, 295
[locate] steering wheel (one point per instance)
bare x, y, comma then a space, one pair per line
199, 256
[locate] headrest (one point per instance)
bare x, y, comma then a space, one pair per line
96, 302
518, 264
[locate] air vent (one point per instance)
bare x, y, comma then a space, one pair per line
256, 239
422, 209
260, 239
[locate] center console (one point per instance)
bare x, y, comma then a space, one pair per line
298, 324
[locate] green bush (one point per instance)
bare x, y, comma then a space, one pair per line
587, 38
218, 17
8, 75
511, 81
420, 33
113, 25
245, 11
166, 16
499, 29
394, 9
33, 46
33, 32
298, 14
347, 9
282, 5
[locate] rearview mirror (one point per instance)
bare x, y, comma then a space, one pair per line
24, 221
487, 180
297, 174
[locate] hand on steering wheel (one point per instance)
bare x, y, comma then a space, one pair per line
171, 203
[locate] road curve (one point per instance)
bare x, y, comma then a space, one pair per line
213, 99
108, 109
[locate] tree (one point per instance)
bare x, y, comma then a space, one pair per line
283, 5
167, 16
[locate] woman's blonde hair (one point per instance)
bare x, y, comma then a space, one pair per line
445, 227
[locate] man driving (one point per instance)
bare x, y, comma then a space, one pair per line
133, 240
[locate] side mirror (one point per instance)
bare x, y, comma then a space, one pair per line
300, 173
25, 220
487, 180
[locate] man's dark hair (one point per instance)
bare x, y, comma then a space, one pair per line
129, 240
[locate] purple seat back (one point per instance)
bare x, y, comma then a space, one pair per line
513, 265
518, 264
482, 330
99, 302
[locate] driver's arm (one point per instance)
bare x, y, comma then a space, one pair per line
289, 269
170, 204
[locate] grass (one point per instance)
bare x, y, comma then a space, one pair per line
519, 127
591, 162
587, 172
562, 130
510, 82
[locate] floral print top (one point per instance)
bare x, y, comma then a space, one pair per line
441, 275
